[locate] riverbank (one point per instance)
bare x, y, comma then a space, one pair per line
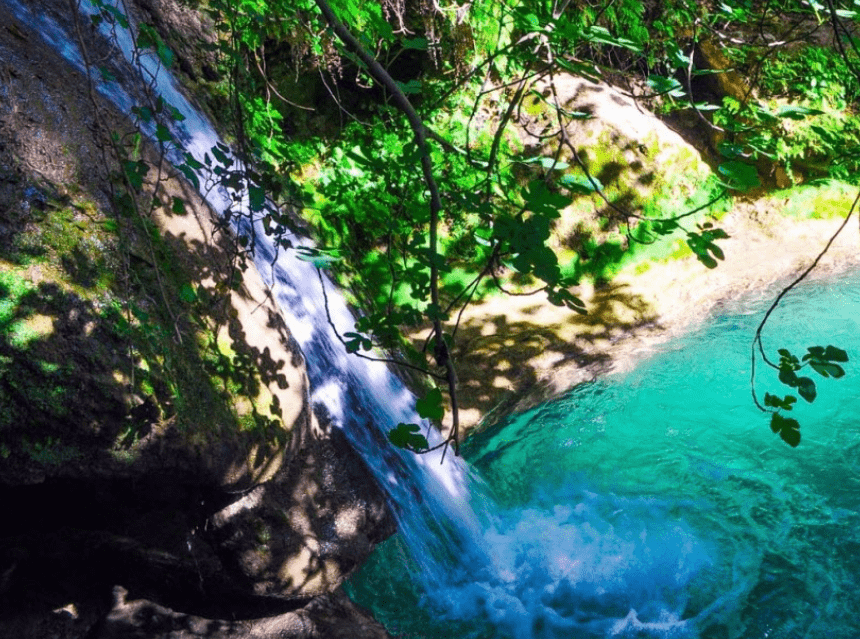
515, 352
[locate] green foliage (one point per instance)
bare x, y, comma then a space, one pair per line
817, 75
149, 38
408, 436
366, 184
788, 429
823, 360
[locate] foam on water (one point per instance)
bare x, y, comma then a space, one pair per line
658, 503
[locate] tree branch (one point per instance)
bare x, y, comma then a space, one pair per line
380, 75
756, 343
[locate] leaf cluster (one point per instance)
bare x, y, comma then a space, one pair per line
366, 188
823, 360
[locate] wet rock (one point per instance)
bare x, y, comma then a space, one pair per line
332, 616
161, 471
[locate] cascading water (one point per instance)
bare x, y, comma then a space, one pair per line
362, 397
656, 504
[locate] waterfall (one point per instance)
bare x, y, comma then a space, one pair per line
571, 560
430, 500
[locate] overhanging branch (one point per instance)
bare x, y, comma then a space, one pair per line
380, 75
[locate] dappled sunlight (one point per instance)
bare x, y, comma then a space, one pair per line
514, 351
511, 348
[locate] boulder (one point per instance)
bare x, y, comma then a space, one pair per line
161, 470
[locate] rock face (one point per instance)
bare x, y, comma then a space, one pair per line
161, 471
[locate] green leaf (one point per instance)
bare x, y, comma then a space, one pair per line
187, 293
176, 114
581, 184
190, 175
410, 88
408, 436
806, 389
163, 133
178, 206
149, 38
835, 354
164, 53
191, 161
419, 43
785, 403
135, 172
256, 197
601, 35
667, 86
106, 74
826, 369
822, 360
739, 176
430, 406
144, 113
787, 376
788, 429
730, 151
791, 436
317, 257
547, 163
222, 157
795, 112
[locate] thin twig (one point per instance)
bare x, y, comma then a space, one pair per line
756, 343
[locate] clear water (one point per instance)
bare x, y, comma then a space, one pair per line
658, 503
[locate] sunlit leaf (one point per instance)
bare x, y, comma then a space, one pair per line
581, 183
797, 112
547, 163
666, 86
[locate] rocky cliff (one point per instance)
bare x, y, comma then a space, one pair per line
161, 471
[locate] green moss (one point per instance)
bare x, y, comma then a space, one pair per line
12, 288
823, 201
